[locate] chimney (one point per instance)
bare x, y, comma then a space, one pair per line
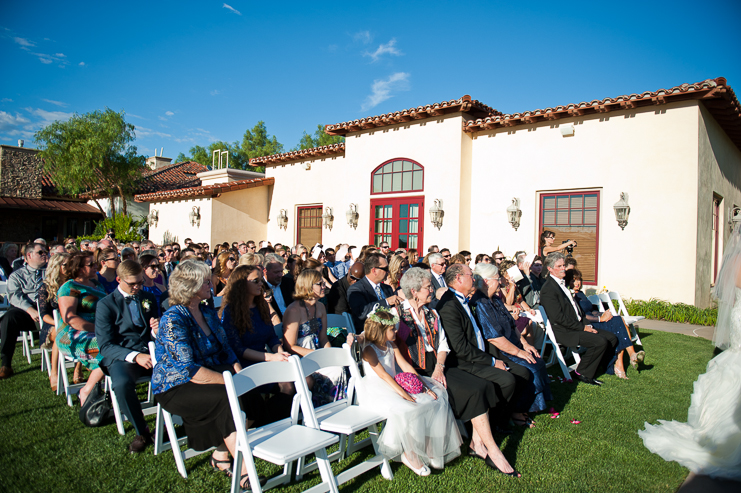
20, 142
156, 162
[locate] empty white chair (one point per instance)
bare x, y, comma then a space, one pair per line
167, 421
594, 299
605, 298
63, 362
284, 441
629, 319
343, 320
343, 418
550, 338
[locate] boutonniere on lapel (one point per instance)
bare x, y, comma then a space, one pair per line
204, 302
473, 310
146, 304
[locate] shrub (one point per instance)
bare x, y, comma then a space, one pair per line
672, 312
126, 228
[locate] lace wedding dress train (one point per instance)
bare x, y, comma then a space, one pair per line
709, 442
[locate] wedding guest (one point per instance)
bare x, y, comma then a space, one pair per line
8, 254
245, 316
605, 321
570, 263
512, 297
482, 257
337, 297
281, 285
23, 291
128, 253
153, 279
412, 256
398, 265
48, 302
78, 299
569, 324
370, 290
107, 262
225, 264
124, 323
499, 329
546, 243
191, 351
497, 257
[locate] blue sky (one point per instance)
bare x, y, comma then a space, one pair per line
190, 73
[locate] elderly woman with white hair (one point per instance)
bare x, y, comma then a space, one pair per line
192, 351
498, 326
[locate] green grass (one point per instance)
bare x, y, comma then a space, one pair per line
46, 448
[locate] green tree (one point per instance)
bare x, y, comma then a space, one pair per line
257, 143
205, 155
319, 139
182, 158
92, 153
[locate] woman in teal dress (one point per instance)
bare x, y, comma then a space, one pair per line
77, 300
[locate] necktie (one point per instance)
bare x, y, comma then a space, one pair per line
136, 316
379, 294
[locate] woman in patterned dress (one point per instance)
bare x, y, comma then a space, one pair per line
77, 299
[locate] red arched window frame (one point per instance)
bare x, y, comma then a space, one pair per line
400, 169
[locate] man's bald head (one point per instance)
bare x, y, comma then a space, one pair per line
356, 273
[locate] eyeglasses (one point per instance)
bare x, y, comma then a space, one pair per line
175, 249
383, 268
231, 259
109, 259
321, 284
441, 263
498, 258
169, 251
447, 256
133, 284
153, 266
87, 265
384, 246
354, 278
41, 253
161, 255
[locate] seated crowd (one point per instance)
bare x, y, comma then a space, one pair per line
471, 333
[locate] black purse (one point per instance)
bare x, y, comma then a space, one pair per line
97, 408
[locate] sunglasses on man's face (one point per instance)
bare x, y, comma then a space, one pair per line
161, 255
447, 256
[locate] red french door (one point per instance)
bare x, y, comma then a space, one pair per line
398, 221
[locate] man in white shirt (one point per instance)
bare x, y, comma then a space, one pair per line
281, 285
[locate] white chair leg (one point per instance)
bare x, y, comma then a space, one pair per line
116, 407
325, 470
174, 445
26, 346
386, 471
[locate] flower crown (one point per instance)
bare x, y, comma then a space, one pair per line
379, 309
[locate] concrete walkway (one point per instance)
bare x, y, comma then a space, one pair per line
694, 483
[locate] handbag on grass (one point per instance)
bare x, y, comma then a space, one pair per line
97, 408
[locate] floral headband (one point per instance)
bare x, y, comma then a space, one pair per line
373, 315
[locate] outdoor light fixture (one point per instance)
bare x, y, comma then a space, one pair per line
195, 216
734, 217
283, 219
153, 217
567, 130
622, 210
328, 218
437, 213
514, 213
352, 216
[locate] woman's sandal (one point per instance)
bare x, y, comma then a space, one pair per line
527, 422
620, 374
246, 485
215, 465
636, 358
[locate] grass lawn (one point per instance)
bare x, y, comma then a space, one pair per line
46, 448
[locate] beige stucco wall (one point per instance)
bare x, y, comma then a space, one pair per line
719, 167
240, 215
650, 153
337, 182
174, 220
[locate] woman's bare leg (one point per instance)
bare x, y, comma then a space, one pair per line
481, 427
95, 377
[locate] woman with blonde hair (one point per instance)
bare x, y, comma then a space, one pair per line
224, 264
48, 302
252, 259
398, 265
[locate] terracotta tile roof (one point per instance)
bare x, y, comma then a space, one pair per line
465, 104
204, 191
171, 177
48, 205
314, 152
717, 96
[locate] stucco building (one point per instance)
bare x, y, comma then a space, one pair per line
676, 153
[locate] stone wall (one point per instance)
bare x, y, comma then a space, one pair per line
20, 172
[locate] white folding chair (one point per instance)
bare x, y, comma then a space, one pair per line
343, 418
342, 320
594, 299
148, 406
217, 301
167, 421
550, 338
63, 363
605, 298
284, 441
629, 319
45, 353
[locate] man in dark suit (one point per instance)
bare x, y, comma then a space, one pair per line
567, 321
364, 294
124, 321
282, 286
469, 351
337, 297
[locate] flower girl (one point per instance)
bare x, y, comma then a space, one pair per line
420, 425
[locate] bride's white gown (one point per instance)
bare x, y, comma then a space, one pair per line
426, 427
710, 441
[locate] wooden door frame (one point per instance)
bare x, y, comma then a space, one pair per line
298, 221
394, 202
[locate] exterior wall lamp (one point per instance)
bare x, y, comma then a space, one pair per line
352, 216
622, 210
328, 218
195, 216
153, 217
283, 219
437, 213
734, 217
514, 213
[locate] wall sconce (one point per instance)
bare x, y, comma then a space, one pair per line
153, 217
437, 213
283, 219
352, 216
566, 130
195, 216
328, 218
514, 213
734, 217
622, 210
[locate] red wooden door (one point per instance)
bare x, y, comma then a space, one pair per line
399, 221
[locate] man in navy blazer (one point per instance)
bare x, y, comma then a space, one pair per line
370, 290
124, 322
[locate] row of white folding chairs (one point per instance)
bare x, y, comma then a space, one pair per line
607, 298
556, 354
63, 363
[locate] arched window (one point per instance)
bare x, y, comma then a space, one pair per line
398, 175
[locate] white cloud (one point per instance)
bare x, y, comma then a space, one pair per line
24, 42
388, 48
56, 103
45, 60
162, 118
136, 116
215, 92
169, 113
382, 89
81, 64
363, 36
6, 100
9, 122
48, 117
148, 132
229, 7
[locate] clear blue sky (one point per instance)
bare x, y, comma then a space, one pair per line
190, 72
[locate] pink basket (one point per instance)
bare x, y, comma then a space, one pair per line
410, 382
